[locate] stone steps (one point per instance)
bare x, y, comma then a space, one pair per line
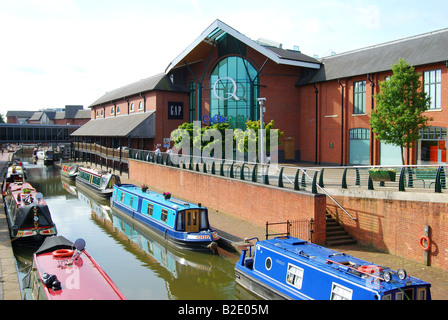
336, 235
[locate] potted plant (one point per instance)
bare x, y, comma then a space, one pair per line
144, 187
379, 174
167, 195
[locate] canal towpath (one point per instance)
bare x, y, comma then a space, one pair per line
234, 230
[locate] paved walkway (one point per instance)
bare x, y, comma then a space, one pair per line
9, 281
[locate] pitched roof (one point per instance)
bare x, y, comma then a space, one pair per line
20, 114
158, 82
217, 30
418, 50
83, 114
139, 125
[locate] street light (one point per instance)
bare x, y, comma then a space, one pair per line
261, 102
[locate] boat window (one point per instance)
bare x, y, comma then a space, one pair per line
180, 221
164, 215
294, 276
96, 180
421, 294
122, 197
150, 208
339, 292
268, 263
132, 199
203, 219
387, 297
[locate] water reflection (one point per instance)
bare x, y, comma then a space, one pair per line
140, 262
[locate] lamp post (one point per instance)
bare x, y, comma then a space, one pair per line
261, 102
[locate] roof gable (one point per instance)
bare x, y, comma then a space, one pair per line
218, 30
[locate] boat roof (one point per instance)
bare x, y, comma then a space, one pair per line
325, 258
94, 171
83, 280
159, 198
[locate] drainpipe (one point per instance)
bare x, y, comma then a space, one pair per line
316, 91
342, 122
144, 101
372, 139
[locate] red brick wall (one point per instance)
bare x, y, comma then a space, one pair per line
248, 201
396, 226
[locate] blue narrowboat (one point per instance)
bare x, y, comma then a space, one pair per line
290, 268
182, 223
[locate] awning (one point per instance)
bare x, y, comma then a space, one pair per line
139, 125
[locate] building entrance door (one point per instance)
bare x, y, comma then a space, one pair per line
290, 148
432, 146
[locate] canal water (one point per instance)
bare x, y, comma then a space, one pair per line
141, 264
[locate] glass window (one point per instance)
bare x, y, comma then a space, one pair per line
122, 197
359, 146
132, 106
140, 106
118, 110
432, 82
112, 111
339, 292
164, 215
294, 276
232, 93
150, 209
359, 99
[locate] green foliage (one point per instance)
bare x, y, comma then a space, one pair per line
399, 107
207, 138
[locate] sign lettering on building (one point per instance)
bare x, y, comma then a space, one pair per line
175, 110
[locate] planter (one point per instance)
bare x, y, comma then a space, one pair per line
382, 175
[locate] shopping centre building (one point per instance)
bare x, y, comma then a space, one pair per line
321, 105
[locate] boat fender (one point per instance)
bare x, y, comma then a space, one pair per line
62, 253
425, 243
48, 279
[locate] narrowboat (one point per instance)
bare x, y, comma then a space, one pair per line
182, 223
69, 171
46, 155
62, 270
28, 215
291, 268
99, 183
14, 173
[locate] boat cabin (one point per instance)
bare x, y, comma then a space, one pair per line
291, 268
28, 215
100, 182
185, 222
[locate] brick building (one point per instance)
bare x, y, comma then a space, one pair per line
323, 105
70, 115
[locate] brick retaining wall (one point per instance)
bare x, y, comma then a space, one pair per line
396, 226
243, 199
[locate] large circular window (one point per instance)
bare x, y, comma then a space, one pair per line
234, 91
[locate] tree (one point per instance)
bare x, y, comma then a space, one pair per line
399, 108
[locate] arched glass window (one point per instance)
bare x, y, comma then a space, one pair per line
232, 93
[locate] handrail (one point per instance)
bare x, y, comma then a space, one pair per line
332, 199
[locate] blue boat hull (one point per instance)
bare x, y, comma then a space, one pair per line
179, 239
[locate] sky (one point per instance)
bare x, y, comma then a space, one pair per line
70, 52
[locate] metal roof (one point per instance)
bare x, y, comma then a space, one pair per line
158, 82
423, 49
218, 30
139, 125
